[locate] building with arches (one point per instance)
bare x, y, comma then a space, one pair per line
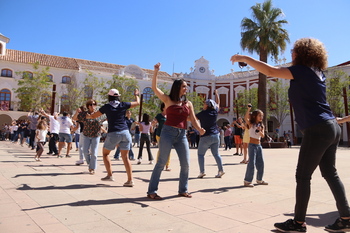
201, 79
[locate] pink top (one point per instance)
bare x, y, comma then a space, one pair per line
177, 115
145, 128
228, 132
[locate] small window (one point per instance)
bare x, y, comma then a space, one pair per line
5, 99
66, 79
147, 94
50, 77
27, 74
6, 73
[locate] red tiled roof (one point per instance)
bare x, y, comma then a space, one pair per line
345, 63
66, 63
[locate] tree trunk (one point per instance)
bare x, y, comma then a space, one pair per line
262, 89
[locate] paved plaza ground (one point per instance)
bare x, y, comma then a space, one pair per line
56, 196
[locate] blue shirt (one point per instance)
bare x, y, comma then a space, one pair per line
116, 116
208, 121
307, 93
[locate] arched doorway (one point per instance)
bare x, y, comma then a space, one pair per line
4, 118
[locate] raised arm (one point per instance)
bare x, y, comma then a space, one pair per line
217, 98
137, 99
163, 97
272, 71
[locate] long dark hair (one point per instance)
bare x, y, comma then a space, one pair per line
145, 118
175, 91
253, 117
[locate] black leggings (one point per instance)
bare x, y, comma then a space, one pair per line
145, 138
318, 148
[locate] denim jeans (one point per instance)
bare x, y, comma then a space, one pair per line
212, 142
137, 139
171, 137
77, 137
145, 138
131, 153
256, 159
318, 148
81, 145
92, 144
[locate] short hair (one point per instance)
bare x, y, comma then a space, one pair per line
310, 52
89, 102
65, 113
114, 97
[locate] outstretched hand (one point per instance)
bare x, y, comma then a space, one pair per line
236, 58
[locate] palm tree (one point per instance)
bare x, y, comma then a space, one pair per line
265, 36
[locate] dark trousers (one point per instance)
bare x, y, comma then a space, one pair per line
145, 139
52, 143
318, 148
32, 138
227, 142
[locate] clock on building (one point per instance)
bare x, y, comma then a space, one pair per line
202, 69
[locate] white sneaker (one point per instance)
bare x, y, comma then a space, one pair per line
201, 175
129, 184
108, 178
220, 174
79, 162
151, 162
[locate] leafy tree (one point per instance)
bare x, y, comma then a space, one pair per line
72, 95
336, 81
125, 86
279, 102
197, 101
264, 35
33, 88
244, 98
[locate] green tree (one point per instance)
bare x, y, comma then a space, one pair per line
278, 102
33, 88
125, 86
336, 81
244, 98
196, 100
264, 35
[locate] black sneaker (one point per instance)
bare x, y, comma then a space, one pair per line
290, 226
340, 225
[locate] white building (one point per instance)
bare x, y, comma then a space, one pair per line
201, 79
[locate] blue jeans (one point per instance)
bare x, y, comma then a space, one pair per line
256, 159
318, 148
81, 144
92, 144
212, 142
137, 138
131, 153
171, 137
77, 136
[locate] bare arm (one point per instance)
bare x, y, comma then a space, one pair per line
137, 99
94, 115
75, 116
272, 71
163, 97
343, 120
217, 99
194, 121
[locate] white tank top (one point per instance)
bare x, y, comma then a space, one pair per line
252, 132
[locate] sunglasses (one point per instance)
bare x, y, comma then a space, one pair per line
92, 104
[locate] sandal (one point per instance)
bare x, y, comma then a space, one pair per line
154, 196
185, 195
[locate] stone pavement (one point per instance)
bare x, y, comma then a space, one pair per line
56, 196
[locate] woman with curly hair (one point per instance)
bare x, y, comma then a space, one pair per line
318, 124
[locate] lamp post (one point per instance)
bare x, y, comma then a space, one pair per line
53, 99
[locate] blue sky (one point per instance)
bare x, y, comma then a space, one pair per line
173, 32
